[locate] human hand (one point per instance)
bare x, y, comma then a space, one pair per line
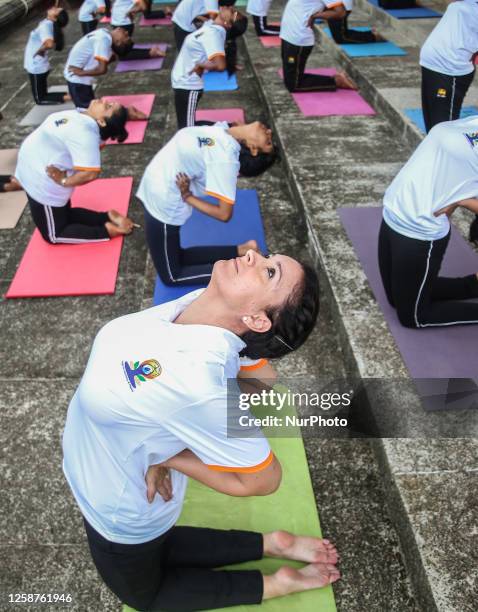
183, 182
75, 70
198, 69
158, 480
55, 174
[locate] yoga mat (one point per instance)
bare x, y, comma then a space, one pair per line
416, 115
446, 352
326, 103
165, 21
292, 507
219, 81
221, 114
11, 203
270, 41
154, 63
136, 129
105, 20
75, 269
378, 49
37, 115
419, 12
201, 230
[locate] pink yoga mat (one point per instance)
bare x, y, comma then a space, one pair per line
270, 41
105, 20
155, 63
326, 103
136, 129
165, 21
220, 114
75, 269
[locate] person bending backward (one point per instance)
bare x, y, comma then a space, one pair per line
342, 34
150, 412
88, 14
64, 153
298, 41
441, 176
186, 12
197, 161
47, 35
259, 9
203, 50
122, 16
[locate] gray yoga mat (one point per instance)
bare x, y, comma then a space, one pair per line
430, 353
38, 114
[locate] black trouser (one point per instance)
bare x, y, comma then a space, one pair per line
129, 28
179, 36
409, 270
294, 60
342, 34
39, 84
186, 101
175, 572
263, 28
4, 180
178, 266
442, 96
396, 4
137, 54
153, 14
88, 26
81, 94
67, 225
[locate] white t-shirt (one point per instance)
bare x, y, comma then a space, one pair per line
259, 8
119, 12
443, 170
89, 8
205, 44
68, 140
452, 43
294, 28
151, 389
36, 64
207, 154
86, 53
187, 10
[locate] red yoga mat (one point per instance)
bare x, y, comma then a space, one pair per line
270, 41
136, 129
220, 114
75, 269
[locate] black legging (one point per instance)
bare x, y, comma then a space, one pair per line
179, 36
39, 85
342, 34
409, 269
263, 28
294, 59
88, 26
186, 102
176, 571
177, 266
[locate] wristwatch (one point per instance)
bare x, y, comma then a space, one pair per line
63, 181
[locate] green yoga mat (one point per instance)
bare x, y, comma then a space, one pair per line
292, 508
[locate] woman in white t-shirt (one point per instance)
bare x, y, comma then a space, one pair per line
446, 59
342, 34
154, 407
441, 176
197, 161
259, 9
62, 154
202, 51
47, 35
88, 14
188, 13
297, 42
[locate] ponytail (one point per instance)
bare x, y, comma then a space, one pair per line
58, 25
115, 126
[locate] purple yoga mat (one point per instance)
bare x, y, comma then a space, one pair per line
154, 63
326, 103
446, 352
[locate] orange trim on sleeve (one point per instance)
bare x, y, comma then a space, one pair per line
218, 54
219, 197
86, 169
244, 470
329, 6
47, 40
255, 366
101, 59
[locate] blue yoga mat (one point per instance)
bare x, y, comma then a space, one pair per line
220, 81
416, 115
377, 49
201, 230
419, 12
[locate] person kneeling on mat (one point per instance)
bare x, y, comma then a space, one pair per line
342, 34
185, 14
151, 411
259, 9
441, 176
47, 35
297, 42
88, 14
197, 161
64, 153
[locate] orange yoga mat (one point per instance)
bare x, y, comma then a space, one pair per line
75, 269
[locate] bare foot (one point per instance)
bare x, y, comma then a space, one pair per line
378, 37
286, 545
114, 231
12, 185
157, 52
344, 82
121, 222
134, 114
289, 580
67, 98
246, 246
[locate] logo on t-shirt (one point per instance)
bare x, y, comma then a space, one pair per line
137, 373
472, 138
206, 142
59, 122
